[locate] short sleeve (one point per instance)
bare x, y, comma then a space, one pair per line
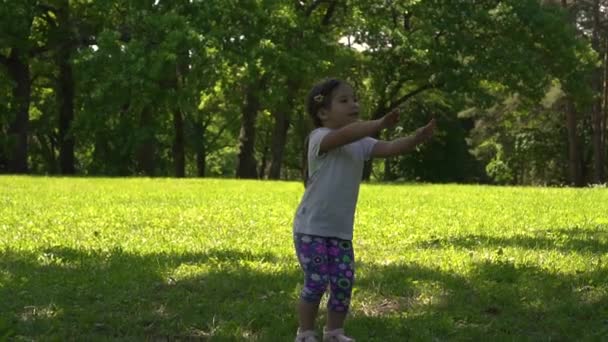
367, 146
314, 143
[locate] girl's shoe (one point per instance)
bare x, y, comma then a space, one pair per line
306, 336
336, 335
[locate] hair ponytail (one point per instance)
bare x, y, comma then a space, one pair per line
320, 96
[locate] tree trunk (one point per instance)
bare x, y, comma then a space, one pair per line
65, 91
246, 163
101, 153
574, 151
178, 144
575, 157
201, 162
264, 163
378, 113
65, 98
48, 146
279, 133
604, 113
179, 154
146, 147
200, 147
388, 170
602, 117
279, 140
597, 111
18, 69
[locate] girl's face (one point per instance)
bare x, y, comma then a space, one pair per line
343, 109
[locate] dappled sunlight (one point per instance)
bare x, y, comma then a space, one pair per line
33, 312
182, 266
147, 293
579, 242
382, 307
496, 293
592, 294
418, 299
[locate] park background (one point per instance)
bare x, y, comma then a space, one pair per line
142, 141
217, 88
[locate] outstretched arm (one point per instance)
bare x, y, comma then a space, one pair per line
357, 130
399, 146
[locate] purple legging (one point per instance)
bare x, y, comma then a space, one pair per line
326, 260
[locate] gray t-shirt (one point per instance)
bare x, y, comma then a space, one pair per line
328, 205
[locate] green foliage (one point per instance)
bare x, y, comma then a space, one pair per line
136, 259
498, 168
447, 157
137, 63
522, 142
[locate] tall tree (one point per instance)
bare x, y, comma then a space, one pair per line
597, 83
458, 47
65, 85
575, 162
246, 164
588, 17
16, 28
281, 116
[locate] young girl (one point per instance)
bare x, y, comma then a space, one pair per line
323, 225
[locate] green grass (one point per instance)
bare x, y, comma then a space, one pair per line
163, 259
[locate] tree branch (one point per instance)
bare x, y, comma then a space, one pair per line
329, 13
47, 8
395, 16
312, 7
298, 5
411, 94
35, 78
37, 51
396, 88
380, 108
87, 41
217, 136
207, 121
407, 16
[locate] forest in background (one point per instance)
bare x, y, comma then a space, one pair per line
216, 88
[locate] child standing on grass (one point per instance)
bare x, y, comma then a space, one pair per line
323, 226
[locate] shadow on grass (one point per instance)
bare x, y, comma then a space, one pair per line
498, 300
69, 294
563, 239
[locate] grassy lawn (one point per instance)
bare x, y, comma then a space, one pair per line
164, 259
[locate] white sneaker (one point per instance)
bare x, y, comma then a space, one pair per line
336, 335
306, 336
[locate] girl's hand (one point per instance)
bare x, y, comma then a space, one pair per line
426, 132
390, 120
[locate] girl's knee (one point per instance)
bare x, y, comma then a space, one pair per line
338, 303
313, 291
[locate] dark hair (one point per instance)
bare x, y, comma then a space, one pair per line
320, 96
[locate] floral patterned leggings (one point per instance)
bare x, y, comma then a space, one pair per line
326, 260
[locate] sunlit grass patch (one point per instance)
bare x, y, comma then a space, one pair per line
137, 259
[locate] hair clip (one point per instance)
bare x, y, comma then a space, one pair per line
318, 98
